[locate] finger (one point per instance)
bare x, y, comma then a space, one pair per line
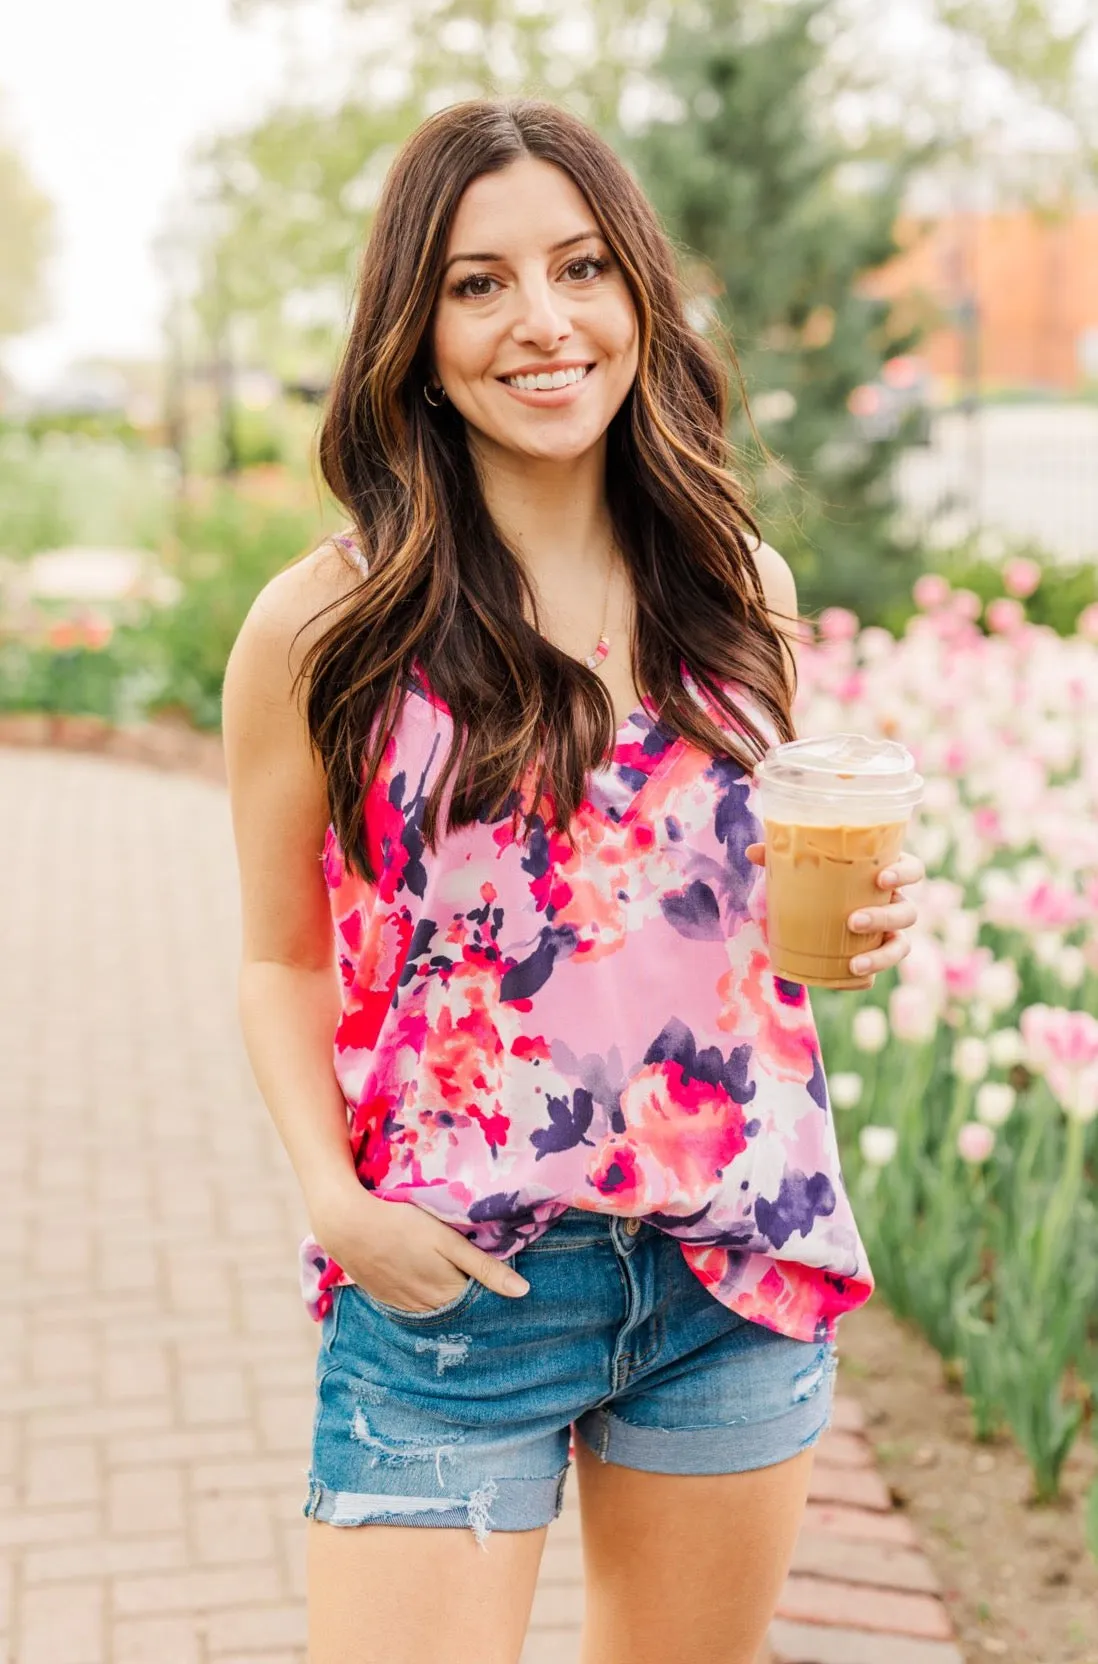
906, 869
898, 915
494, 1274
889, 954
756, 853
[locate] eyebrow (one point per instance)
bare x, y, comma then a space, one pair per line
566, 242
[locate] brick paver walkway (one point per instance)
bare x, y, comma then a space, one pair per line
155, 1359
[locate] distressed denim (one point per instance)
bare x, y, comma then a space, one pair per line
463, 1415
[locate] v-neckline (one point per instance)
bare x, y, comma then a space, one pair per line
625, 764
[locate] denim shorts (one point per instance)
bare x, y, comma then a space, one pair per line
463, 1415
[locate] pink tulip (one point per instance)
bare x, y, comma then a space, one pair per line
1005, 616
963, 972
838, 624
1021, 577
931, 591
1048, 907
966, 603
851, 687
987, 824
975, 1141
912, 1012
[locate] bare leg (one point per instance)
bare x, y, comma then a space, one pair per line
394, 1594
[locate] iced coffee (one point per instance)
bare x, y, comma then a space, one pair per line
835, 812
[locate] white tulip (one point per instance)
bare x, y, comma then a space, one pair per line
845, 1090
995, 883
878, 1145
960, 930
1006, 1047
1048, 945
980, 1016
870, 1029
998, 984
970, 1059
930, 840
994, 1102
1071, 967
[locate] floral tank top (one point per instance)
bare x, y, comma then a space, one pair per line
528, 1027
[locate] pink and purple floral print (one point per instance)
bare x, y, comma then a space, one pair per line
528, 1026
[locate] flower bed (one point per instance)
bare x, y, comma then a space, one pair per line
966, 1084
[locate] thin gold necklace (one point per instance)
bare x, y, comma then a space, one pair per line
593, 660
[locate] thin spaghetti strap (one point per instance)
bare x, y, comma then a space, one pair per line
347, 541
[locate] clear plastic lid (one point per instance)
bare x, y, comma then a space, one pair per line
842, 768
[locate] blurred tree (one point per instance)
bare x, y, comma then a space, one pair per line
786, 218
27, 220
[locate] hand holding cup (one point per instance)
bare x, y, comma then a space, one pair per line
835, 810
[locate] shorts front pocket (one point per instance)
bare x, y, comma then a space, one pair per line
399, 1314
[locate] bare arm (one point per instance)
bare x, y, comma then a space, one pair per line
289, 999
780, 590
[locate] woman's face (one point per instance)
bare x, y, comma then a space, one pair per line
512, 300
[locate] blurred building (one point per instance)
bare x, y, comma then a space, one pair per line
1014, 292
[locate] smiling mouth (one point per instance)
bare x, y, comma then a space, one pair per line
509, 382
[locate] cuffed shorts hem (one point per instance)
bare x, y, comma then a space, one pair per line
495, 1505
713, 1450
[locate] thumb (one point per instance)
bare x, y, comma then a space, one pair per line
756, 854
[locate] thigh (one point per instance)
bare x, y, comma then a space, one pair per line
439, 1452
387, 1594
682, 1567
693, 1478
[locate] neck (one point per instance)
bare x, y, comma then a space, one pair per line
555, 516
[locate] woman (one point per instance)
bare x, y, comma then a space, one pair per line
499, 738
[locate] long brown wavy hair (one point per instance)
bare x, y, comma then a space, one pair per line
445, 590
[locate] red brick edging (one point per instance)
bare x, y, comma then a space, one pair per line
859, 1591
168, 745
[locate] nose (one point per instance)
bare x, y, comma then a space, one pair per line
542, 315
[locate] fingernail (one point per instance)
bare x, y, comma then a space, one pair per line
516, 1284
859, 966
859, 921
888, 878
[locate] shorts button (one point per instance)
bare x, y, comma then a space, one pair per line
632, 1226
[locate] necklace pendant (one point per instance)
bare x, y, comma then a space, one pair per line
594, 659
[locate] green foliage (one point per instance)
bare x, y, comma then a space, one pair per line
228, 552
1062, 594
1057, 601
745, 177
68, 487
172, 657
27, 218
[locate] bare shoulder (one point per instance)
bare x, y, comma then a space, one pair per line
778, 582
299, 605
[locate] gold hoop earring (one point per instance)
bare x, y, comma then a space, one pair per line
434, 403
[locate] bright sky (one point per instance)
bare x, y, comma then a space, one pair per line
102, 99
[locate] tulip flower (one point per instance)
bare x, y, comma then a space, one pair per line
970, 1059
878, 1145
870, 1029
975, 1142
845, 1089
1021, 577
994, 1101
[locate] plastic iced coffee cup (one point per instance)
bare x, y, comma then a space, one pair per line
835, 811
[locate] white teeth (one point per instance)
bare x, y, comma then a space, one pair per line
541, 383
